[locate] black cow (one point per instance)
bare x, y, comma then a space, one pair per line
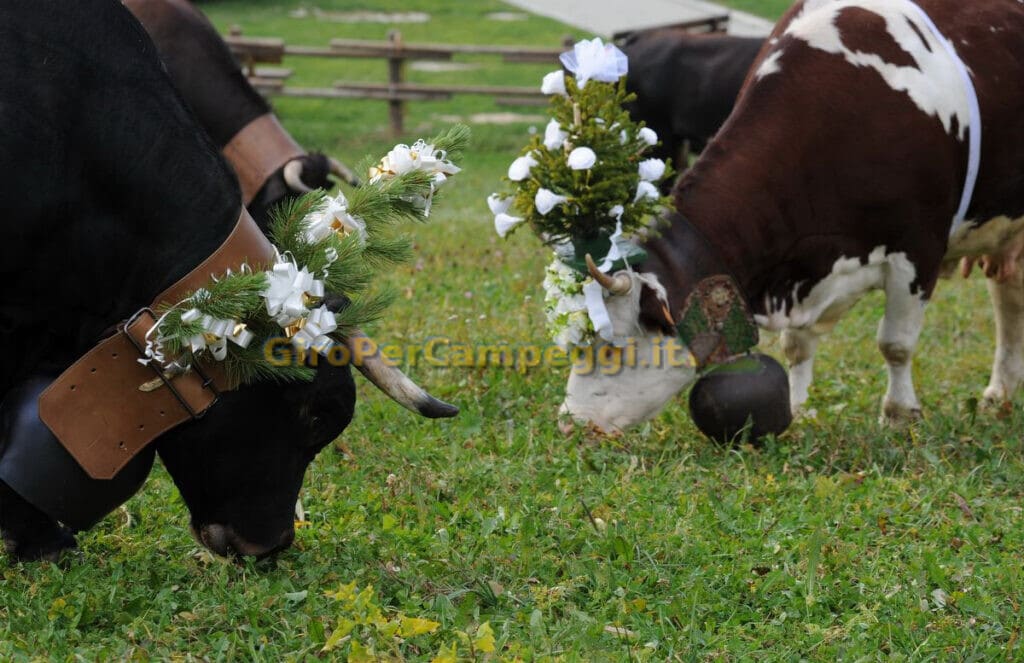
685, 85
214, 86
111, 193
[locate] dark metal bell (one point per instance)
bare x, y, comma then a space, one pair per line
751, 388
36, 465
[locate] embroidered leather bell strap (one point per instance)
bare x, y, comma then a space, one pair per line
259, 150
716, 323
96, 409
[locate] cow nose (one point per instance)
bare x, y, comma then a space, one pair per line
222, 540
215, 537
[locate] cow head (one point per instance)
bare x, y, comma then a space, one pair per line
240, 467
300, 175
615, 388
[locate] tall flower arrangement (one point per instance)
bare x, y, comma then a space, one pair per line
584, 186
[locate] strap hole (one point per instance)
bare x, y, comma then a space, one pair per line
114, 355
161, 413
72, 387
120, 445
92, 370
142, 426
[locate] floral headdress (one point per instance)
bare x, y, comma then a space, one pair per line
585, 187
324, 246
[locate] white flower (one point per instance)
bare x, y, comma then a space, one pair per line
545, 200
648, 135
554, 83
652, 170
504, 223
554, 136
595, 60
646, 190
499, 204
616, 212
520, 168
565, 306
623, 137
582, 158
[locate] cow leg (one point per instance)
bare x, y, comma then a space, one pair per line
799, 346
1008, 366
897, 338
28, 533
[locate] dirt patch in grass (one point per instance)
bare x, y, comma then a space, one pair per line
360, 16
435, 67
492, 118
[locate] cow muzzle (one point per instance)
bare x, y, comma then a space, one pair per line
224, 541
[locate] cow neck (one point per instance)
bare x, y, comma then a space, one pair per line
257, 151
98, 408
733, 215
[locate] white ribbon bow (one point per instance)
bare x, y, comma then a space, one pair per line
216, 333
315, 330
333, 217
286, 285
595, 60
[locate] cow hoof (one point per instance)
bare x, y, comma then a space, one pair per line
994, 397
802, 413
48, 550
898, 416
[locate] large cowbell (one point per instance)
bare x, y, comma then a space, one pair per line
36, 465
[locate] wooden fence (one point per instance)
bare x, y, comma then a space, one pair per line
254, 52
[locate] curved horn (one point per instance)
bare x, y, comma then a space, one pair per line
344, 172
617, 285
293, 176
393, 382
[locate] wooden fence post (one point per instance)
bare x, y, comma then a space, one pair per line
396, 66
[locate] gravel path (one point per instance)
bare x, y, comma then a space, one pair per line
605, 17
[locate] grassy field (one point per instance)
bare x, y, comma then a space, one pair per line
840, 540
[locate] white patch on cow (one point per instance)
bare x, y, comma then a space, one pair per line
973, 238
833, 295
898, 332
1008, 364
935, 85
614, 401
808, 318
769, 66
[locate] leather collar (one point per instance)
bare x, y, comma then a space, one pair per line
96, 409
259, 150
716, 324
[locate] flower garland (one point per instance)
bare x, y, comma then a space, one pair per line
318, 289
565, 306
584, 186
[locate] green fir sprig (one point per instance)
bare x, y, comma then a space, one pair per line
592, 117
347, 261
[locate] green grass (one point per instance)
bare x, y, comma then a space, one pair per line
838, 541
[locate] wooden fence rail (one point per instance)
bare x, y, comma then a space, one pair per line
254, 51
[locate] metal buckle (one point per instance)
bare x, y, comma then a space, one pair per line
155, 366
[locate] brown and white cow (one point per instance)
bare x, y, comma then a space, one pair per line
841, 170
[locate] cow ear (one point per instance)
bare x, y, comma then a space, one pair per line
655, 312
336, 303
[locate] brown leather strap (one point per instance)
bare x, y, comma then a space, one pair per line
96, 408
258, 151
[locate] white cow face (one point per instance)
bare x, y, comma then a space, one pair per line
614, 388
